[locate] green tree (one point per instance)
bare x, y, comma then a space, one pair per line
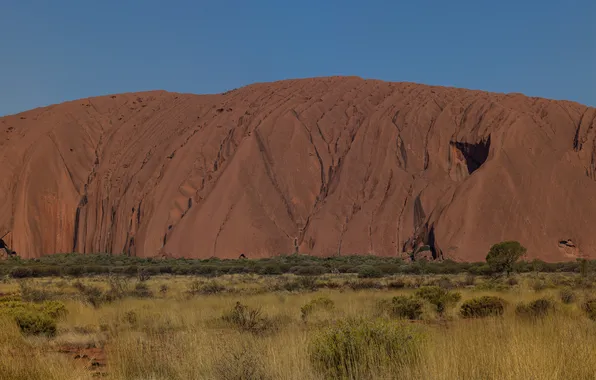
502, 256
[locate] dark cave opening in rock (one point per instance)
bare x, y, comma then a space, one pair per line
431, 242
474, 154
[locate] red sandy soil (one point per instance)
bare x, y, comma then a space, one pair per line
324, 166
93, 359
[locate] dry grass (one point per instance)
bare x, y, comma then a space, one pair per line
180, 336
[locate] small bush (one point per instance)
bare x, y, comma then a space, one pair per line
208, 288
368, 271
10, 297
91, 294
194, 287
21, 272
365, 284
493, 284
389, 268
347, 269
35, 323
34, 319
117, 288
302, 283
483, 307
536, 309
29, 293
141, 290
315, 270
538, 285
440, 298
131, 318
356, 348
589, 307
397, 284
445, 283
247, 319
272, 269
163, 289
567, 296
212, 287
74, 270
143, 274
321, 303
54, 309
406, 307
469, 280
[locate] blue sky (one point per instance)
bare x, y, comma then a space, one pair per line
52, 51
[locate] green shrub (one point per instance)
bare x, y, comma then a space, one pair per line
389, 268
397, 284
144, 274
117, 288
538, 285
32, 318
21, 272
315, 270
480, 270
247, 319
272, 269
29, 293
91, 294
567, 296
356, 348
35, 323
469, 280
364, 284
54, 309
74, 270
481, 307
347, 268
211, 287
321, 303
406, 307
562, 281
368, 271
141, 290
589, 307
493, 284
10, 297
536, 309
442, 282
301, 283
440, 298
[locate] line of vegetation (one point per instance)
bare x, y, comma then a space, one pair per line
95, 264
502, 258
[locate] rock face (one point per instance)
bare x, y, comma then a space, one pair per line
324, 166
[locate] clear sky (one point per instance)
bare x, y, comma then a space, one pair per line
52, 51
